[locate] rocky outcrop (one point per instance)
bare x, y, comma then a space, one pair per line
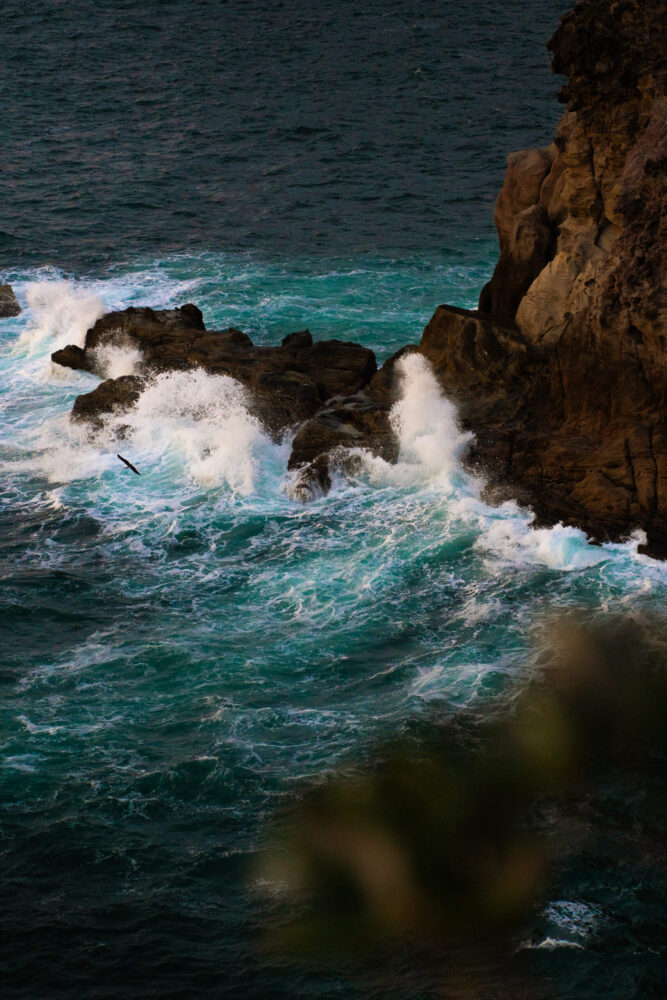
9, 305
74, 357
114, 395
562, 374
333, 437
318, 384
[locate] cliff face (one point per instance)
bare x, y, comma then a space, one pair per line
562, 373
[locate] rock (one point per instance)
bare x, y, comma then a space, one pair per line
288, 384
477, 359
564, 382
163, 336
524, 231
333, 438
8, 302
297, 341
528, 251
143, 325
114, 395
324, 442
73, 357
526, 172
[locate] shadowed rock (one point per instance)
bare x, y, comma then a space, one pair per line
9, 305
346, 424
73, 357
297, 341
114, 395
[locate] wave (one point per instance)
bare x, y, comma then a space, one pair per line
59, 314
184, 424
200, 427
432, 448
206, 421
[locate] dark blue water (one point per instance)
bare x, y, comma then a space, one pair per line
181, 652
286, 128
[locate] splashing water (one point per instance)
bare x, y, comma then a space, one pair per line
427, 427
203, 418
60, 315
115, 360
183, 647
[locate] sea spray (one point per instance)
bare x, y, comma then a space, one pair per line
59, 314
431, 441
115, 360
204, 419
432, 449
189, 424
427, 426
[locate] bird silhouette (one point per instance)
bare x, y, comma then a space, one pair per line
128, 464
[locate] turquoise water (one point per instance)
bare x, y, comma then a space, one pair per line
183, 649
180, 651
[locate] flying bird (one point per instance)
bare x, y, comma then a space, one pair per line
128, 464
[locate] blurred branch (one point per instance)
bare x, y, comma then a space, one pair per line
436, 844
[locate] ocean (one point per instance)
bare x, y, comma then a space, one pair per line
182, 652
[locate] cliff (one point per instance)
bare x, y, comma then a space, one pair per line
562, 372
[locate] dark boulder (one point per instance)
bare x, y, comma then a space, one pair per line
337, 368
114, 395
480, 361
9, 305
346, 424
143, 325
297, 341
73, 357
288, 384
528, 251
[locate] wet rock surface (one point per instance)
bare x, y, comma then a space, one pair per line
114, 395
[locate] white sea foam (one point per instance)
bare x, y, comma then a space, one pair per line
60, 314
431, 448
507, 538
114, 360
426, 424
205, 420
549, 944
455, 687
574, 918
184, 422
575, 925
431, 442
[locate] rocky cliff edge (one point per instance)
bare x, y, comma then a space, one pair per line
562, 372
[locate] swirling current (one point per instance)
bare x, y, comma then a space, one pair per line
182, 650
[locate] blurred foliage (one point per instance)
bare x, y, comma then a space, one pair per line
438, 843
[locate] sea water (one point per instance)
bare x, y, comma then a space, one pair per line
184, 649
